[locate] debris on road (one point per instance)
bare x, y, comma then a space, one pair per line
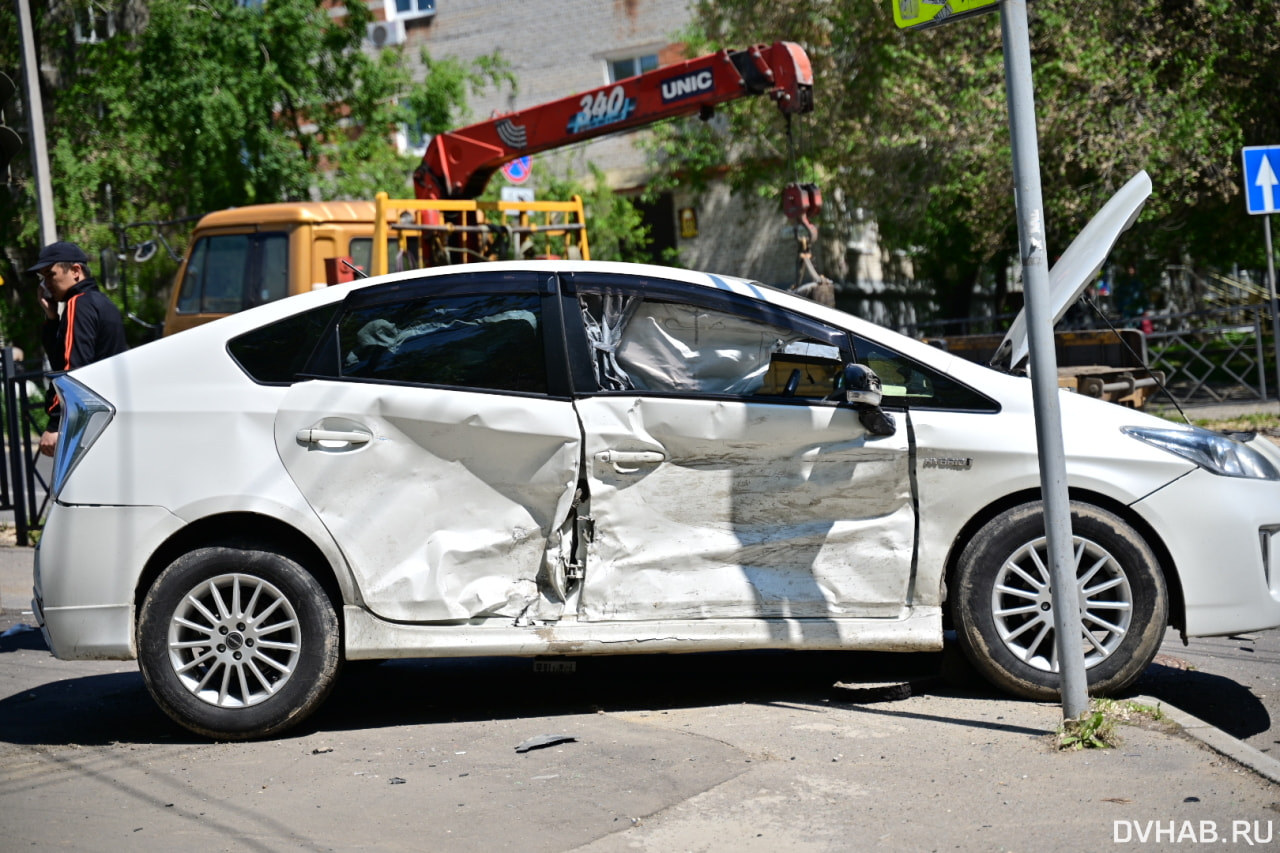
541, 741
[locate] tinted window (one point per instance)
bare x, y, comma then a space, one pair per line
276, 353
489, 341
907, 382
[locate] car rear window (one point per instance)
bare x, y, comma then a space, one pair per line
276, 353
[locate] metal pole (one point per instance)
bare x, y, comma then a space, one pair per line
35, 128
1271, 293
1044, 362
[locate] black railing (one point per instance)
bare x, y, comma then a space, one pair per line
23, 488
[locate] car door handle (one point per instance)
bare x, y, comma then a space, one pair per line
315, 436
629, 461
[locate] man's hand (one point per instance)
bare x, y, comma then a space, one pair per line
48, 442
47, 303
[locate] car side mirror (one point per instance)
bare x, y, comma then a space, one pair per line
859, 384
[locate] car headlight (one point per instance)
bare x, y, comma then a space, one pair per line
1212, 451
84, 416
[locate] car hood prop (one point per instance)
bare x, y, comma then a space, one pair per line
1078, 265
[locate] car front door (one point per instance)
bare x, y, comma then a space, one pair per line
434, 447
721, 481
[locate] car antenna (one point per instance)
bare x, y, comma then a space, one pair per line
355, 269
1088, 300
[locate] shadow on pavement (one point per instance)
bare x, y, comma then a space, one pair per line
116, 707
102, 709
1218, 701
93, 710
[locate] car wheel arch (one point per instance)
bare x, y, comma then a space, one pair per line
1168, 566
244, 530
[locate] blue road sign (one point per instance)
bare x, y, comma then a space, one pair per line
1261, 175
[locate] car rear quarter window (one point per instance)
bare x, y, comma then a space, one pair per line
488, 341
276, 353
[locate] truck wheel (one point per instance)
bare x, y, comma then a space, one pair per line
237, 644
1004, 611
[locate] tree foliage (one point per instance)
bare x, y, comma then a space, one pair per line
199, 105
912, 126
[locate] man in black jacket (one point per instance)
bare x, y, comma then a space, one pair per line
89, 329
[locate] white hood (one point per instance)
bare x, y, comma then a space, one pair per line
1078, 264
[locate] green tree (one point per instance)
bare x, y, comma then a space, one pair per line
199, 106
912, 126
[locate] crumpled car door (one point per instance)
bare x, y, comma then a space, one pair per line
450, 503
713, 498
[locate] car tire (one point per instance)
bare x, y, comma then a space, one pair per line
1003, 611
237, 643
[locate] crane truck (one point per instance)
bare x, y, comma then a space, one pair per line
249, 255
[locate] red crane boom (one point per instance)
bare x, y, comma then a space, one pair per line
458, 164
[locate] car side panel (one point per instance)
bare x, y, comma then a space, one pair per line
756, 510
455, 507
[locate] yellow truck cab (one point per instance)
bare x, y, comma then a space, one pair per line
246, 256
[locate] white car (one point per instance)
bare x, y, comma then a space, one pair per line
575, 458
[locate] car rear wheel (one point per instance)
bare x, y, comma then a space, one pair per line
1003, 608
237, 643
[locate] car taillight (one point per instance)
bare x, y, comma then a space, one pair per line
84, 416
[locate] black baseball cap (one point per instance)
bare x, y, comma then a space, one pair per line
61, 252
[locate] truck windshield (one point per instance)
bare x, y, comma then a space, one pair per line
231, 272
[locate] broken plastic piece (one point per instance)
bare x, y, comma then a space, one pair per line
541, 741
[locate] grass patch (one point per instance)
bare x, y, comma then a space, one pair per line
1096, 727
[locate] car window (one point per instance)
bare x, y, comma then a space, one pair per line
641, 343
489, 341
276, 353
907, 382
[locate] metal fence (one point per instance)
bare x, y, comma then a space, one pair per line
24, 490
1220, 355
1215, 356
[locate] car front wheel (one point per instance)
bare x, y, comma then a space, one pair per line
1003, 606
237, 643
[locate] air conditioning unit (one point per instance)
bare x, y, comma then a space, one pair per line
386, 33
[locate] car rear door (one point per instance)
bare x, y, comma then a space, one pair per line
436, 444
721, 482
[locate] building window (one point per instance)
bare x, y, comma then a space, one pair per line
94, 23
409, 9
620, 69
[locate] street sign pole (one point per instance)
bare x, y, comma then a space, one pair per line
1271, 294
1261, 196
1044, 362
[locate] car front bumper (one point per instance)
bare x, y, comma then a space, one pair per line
1224, 535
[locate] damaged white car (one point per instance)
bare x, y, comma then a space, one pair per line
569, 458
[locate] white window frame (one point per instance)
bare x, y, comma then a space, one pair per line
414, 13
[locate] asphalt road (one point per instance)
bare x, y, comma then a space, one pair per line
1232, 683
748, 752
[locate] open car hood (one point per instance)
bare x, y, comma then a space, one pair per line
1078, 265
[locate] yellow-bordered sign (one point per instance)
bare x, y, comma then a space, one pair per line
919, 14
